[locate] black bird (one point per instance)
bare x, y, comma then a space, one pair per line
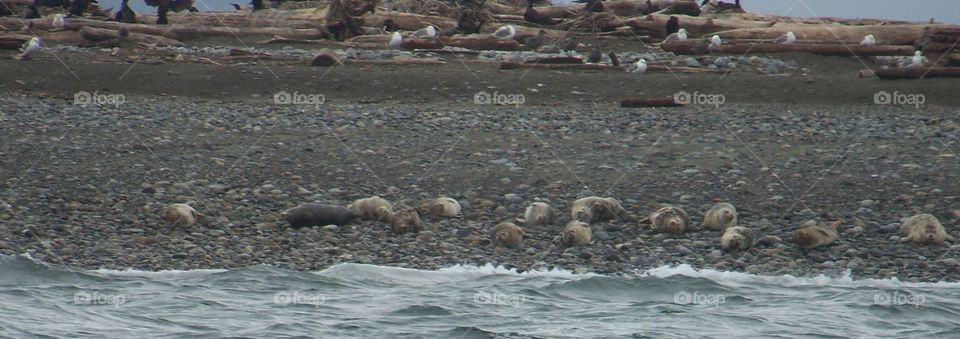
595, 56
389, 25
569, 45
535, 42
32, 12
533, 16
79, 6
468, 24
614, 60
673, 25
125, 14
237, 7
164, 6
257, 5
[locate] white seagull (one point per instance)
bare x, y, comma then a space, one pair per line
680, 35
58, 21
429, 32
505, 32
916, 60
786, 39
715, 43
29, 48
639, 67
868, 40
396, 40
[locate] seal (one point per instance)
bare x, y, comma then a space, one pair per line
314, 214
812, 235
576, 233
720, 217
406, 220
924, 229
736, 238
539, 213
591, 209
180, 216
506, 234
442, 207
669, 220
373, 208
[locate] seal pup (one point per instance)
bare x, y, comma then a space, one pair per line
736, 238
314, 214
535, 42
29, 48
594, 56
786, 39
180, 216
539, 213
406, 220
812, 235
395, 41
507, 234
576, 233
720, 217
924, 229
442, 207
868, 40
680, 35
373, 208
638, 67
591, 209
505, 32
669, 220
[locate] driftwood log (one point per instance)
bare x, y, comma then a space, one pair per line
918, 73
690, 47
649, 102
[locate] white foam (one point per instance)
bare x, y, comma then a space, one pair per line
740, 278
447, 274
169, 274
489, 269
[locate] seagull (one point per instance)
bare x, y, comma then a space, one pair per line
915, 61
429, 32
680, 35
639, 67
715, 43
868, 40
58, 21
505, 32
537, 41
786, 39
29, 48
396, 40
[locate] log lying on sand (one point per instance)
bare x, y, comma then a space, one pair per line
13, 41
624, 8
655, 24
649, 102
600, 67
918, 73
690, 47
885, 34
177, 32
475, 42
97, 35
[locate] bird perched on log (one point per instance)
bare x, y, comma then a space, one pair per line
389, 25
29, 48
429, 32
592, 5
639, 67
786, 39
535, 42
673, 25
396, 40
505, 32
125, 14
680, 35
868, 40
164, 6
533, 16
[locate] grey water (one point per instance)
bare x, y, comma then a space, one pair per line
352, 300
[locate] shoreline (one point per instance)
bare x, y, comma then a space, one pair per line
98, 176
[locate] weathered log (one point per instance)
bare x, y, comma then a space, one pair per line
952, 59
601, 67
918, 73
655, 24
410, 21
886, 34
399, 62
177, 32
555, 60
649, 102
689, 47
13, 41
475, 42
95, 35
682, 7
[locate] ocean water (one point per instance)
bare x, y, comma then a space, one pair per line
350, 300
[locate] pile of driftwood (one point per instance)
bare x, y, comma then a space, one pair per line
468, 24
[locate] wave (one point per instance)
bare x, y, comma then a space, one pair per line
737, 278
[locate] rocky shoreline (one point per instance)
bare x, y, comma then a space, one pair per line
83, 185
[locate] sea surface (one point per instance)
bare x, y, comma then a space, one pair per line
351, 300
